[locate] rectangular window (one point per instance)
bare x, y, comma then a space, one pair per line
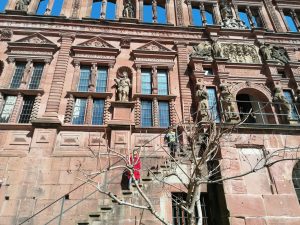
146, 81
289, 97
209, 16
3, 4
36, 75
101, 79
96, 9
162, 82
28, 102
244, 17
110, 10
56, 8
19, 72
84, 80
146, 115
213, 105
42, 7
164, 114
98, 109
290, 22
79, 111
7, 108
197, 18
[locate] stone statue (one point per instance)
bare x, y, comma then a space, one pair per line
227, 103
202, 97
284, 105
228, 20
154, 10
203, 49
128, 11
270, 52
22, 5
123, 86
216, 50
47, 12
226, 11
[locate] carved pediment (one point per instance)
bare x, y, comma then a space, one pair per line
35, 39
96, 42
154, 46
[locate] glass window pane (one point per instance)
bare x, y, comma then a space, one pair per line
146, 116
3, 4
289, 97
42, 7
79, 111
244, 18
164, 114
291, 23
197, 19
146, 82
110, 11
19, 72
28, 102
98, 109
147, 13
256, 18
212, 104
36, 75
84, 80
57, 6
7, 108
161, 15
209, 17
101, 79
162, 82
208, 72
96, 9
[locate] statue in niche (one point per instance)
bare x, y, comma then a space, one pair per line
128, 11
266, 51
202, 97
226, 11
227, 103
284, 105
22, 5
228, 20
280, 55
270, 52
202, 50
216, 49
123, 86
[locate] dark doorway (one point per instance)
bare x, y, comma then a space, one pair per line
245, 106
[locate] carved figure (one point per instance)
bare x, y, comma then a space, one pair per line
270, 52
123, 86
128, 11
226, 11
202, 50
284, 105
22, 5
202, 97
47, 12
227, 103
216, 49
154, 10
266, 51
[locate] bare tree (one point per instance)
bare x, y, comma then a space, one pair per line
199, 162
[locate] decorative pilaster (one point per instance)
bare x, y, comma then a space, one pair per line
249, 13
69, 110
17, 109
76, 75
103, 9
58, 80
138, 79
190, 10
36, 106
172, 112
76, 8
179, 12
155, 112
283, 18
110, 80
137, 112
262, 17
5, 78
1, 101
106, 113
202, 11
167, 5
141, 6
271, 11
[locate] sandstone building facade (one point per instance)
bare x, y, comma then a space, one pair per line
58, 99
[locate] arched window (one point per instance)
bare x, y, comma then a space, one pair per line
296, 179
3, 4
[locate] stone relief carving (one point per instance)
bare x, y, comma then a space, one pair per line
271, 52
153, 47
179, 12
123, 84
96, 43
6, 34
125, 42
284, 105
202, 98
128, 11
35, 40
76, 7
203, 49
22, 5
227, 103
228, 20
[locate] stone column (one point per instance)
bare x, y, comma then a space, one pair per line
141, 6
154, 80
138, 79
295, 17
69, 110
59, 75
92, 84
202, 11
155, 112
17, 109
190, 10
32, 7
154, 11
103, 9
27, 74
216, 12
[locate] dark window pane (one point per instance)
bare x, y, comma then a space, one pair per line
101, 79
212, 104
162, 82
197, 19
164, 114
57, 6
98, 109
3, 4
110, 11
96, 9
84, 80
289, 97
79, 111
256, 18
146, 117
36, 75
208, 72
19, 72
146, 82
296, 179
7, 108
25, 115
42, 7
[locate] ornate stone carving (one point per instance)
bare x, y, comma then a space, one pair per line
123, 84
22, 5
35, 39
153, 46
228, 20
227, 103
271, 52
36, 106
128, 11
6, 34
76, 7
98, 43
284, 105
106, 113
202, 99
203, 49
240, 53
125, 42
69, 110
137, 110
47, 12
155, 112
179, 12
172, 112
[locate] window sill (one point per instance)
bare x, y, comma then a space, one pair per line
92, 94
16, 91
152, 96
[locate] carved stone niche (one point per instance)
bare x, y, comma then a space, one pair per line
95, 50
154, 54
34, 47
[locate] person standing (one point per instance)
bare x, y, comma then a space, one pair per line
171, 139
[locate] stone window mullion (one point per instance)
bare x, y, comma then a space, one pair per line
168, 11
89, 110
103, 9
45, 72
172, 112
203, 16
17, 109
250, 16
138, 79
154, 80
32, 7
262, 17
155, 112
2, 102
109, 78
283, 18
141, 7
